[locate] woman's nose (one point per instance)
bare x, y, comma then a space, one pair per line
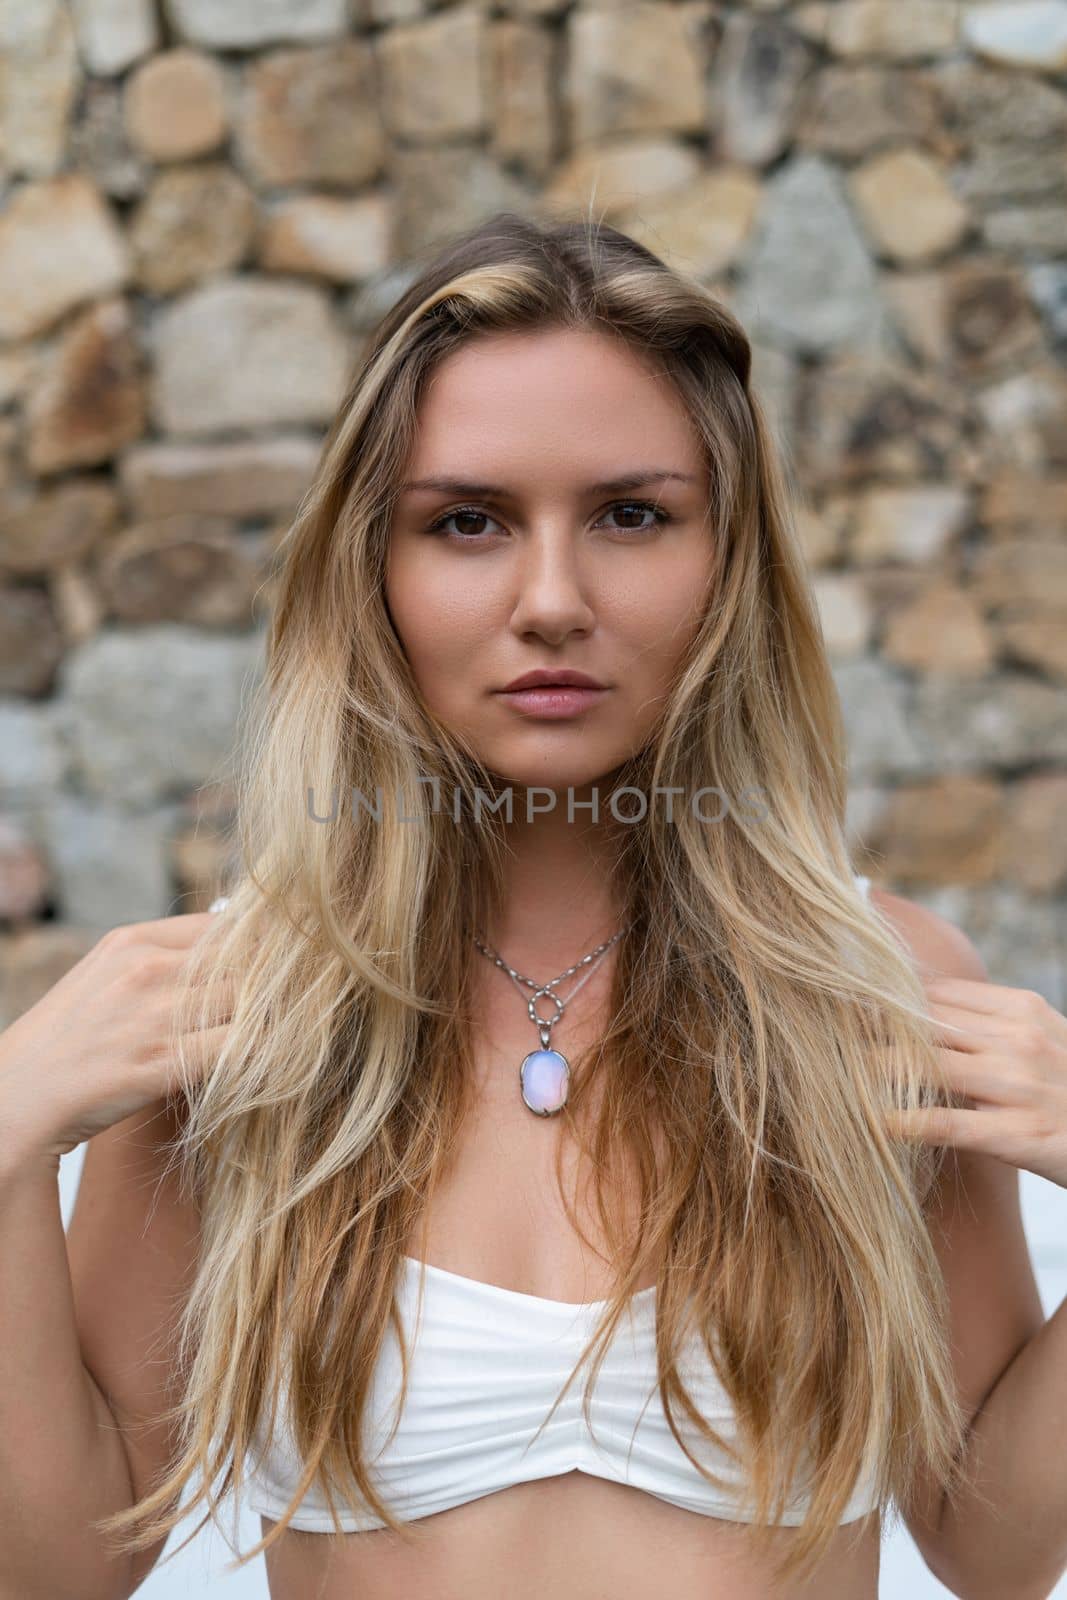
552, 589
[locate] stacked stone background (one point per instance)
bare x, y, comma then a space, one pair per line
205, 204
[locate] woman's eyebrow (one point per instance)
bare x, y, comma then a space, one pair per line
620, 485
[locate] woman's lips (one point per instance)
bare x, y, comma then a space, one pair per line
552, 700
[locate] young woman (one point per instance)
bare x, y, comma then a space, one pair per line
544, 1020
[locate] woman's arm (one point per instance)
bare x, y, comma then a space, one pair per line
1010, 1364
62, 1460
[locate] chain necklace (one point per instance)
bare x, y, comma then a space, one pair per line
545, 1074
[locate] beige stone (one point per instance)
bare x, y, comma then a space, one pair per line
246, 478
902, 30
31, 646
910, 523
59, 246
186, 568
39, 81
853, 108
920, 311
1035, 641
194, 223
942, 630
844, 612
702, 228
522, 124
1022, 574
819, 532
533, 8
16, 370
9, 446
77, 604
45, 530
311, 116
24, 876
907, 205
952, 828
434, 76
636, 69
175, 106
199, 860
89, 398
990, 321
384, 13
1014, 498
619, 174
33, 960
343, 240
1036, 845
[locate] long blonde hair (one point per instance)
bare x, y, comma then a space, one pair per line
762, 1016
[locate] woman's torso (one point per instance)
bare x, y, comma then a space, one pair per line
498, 1218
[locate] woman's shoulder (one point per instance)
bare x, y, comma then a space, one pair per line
937, 945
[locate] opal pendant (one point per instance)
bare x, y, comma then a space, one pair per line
544, 1079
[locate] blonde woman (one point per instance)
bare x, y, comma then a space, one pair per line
532, 1181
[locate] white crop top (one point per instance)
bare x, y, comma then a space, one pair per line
486, 1364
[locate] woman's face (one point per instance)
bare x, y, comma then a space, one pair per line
532, 556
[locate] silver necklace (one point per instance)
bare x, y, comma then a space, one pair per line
545, 1074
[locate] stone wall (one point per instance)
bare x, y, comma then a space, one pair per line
206, 202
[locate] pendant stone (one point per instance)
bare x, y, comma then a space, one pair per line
544, 1078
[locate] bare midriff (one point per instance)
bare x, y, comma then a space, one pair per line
573, 1536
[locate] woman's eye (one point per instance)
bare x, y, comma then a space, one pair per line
470, 514
465, 513
659, 516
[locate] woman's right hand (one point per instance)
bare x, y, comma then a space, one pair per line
96, 1046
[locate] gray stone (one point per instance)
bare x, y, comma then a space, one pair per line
33, 756
99, 144
1002, 722
1048, 287
244, 24
150, 712
1036, 230
759, 69
862, 418
878, 727
1012, 170
810, 282
1020, 33
240, 353
368, 302
107, 866
113, 34
443, 189
1021, 937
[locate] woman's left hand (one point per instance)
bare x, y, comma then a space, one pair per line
1010, 1065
